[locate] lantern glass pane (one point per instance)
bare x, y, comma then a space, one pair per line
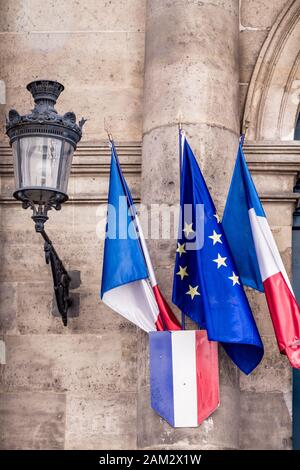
39, 161
64, 173
16, 161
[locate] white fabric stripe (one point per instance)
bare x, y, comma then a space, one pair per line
268, 256
184, 378
152, 277
136, 302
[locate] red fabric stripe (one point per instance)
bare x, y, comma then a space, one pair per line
207, 368
166, 319
159, 324
285, 315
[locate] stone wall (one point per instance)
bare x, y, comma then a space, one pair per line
256, 20
86, 386
71, 387
95, 48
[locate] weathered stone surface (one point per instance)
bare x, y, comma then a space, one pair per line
95, 317
155, 433
283, 238
260, 13
17, 223
30, 260
285, 209
163, 252
32, 420
110, 71
98, 185
250, 45
91, 16
12, 217
34, 312
260, 311
273, 374
143, 378
77, 363
272, 106
176, 48
265, 182
20, 262
101, 422
228, 372
86, 258
243, 95
265, 421
8, 306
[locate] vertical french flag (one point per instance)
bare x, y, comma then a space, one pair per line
128, 281
258, 260
184, 376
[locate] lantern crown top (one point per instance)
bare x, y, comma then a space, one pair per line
45, 91
44, 119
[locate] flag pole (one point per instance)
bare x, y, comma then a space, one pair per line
180, 171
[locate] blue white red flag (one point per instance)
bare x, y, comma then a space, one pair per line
258, 259
184, 376
207, 286
128, 281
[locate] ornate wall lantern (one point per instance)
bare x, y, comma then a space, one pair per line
43, 143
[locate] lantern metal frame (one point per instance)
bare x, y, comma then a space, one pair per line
44, 121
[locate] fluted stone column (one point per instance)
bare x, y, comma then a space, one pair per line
191, 64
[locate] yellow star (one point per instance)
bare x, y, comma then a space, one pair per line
216, 237
234, 278
182, 272
193, 291
220, 261
188, 229
180, 249
218, 218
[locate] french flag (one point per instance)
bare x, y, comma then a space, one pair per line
258, 259
128, 281
184, 377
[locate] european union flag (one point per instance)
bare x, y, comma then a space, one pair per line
207, 287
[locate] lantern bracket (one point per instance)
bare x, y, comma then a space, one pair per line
61, 277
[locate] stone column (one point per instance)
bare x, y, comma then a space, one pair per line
191, 64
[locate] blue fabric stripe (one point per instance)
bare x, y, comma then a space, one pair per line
253, 200
242, 196
161, 374
123, 260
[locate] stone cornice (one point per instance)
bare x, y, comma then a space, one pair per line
93, 159
272, 158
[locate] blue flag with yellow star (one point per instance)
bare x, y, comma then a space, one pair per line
207, 287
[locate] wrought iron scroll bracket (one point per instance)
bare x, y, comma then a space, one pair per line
61, 279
